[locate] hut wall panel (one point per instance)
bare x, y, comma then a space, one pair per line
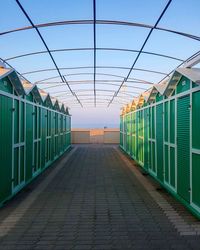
27, 134
171, 141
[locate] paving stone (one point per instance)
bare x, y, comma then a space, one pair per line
96, 202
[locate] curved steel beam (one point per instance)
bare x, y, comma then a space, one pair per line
92, 102
106, 90
109, 84
98, 90
45, 45
67, 97
73, 82
91, 49
181, 64
88, 99
99, 67
142, 48
104, 22
77, 74
83, 81
103, 101
88, 95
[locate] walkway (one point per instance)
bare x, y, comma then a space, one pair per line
93, 200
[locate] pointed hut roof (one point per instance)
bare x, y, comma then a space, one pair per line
36, 93
191, 73
27, 86
14, 79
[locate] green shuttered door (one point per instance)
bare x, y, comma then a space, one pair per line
159, 140
196, 148
6, 147
29, 141
183, 147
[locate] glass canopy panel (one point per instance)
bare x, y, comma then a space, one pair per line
124, 37
106, 86
83, 86
39, 62
183, 16
172, 45
135, 91
53, 87
153, 63
147, 76
18, 43
119, 59
121, 71
10, 9
104, 76
42, 76
74, 59
143, 11
59, 10
35, 77
61, 91
78, 77
117, 45
68, 36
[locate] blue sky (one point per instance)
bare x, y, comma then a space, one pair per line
181, 16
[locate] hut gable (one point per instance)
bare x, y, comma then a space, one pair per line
128, 108
36, 93
14, 79
27, 86
192, 74
156, 89
62, 109
55, 104
134, 103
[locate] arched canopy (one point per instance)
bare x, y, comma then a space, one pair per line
112, 51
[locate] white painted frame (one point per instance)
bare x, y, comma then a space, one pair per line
174, 145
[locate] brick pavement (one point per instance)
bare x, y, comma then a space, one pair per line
89, 200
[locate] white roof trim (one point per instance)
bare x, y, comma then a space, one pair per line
160, 87
27, 88
5, 72
43, 94
54, 100
191, 73
146, 95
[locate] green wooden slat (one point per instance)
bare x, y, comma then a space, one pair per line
166, 113
195, 179
166, 164
6, 150
172, 167
146, 137
29, 140
172, 121
153, 122
196, 120
183, 147
159, 140
183, 85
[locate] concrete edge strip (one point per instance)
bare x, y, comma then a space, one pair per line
9, 222
178, 222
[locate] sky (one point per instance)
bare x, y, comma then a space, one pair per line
112, 65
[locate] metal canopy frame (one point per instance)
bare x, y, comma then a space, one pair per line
113, 80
